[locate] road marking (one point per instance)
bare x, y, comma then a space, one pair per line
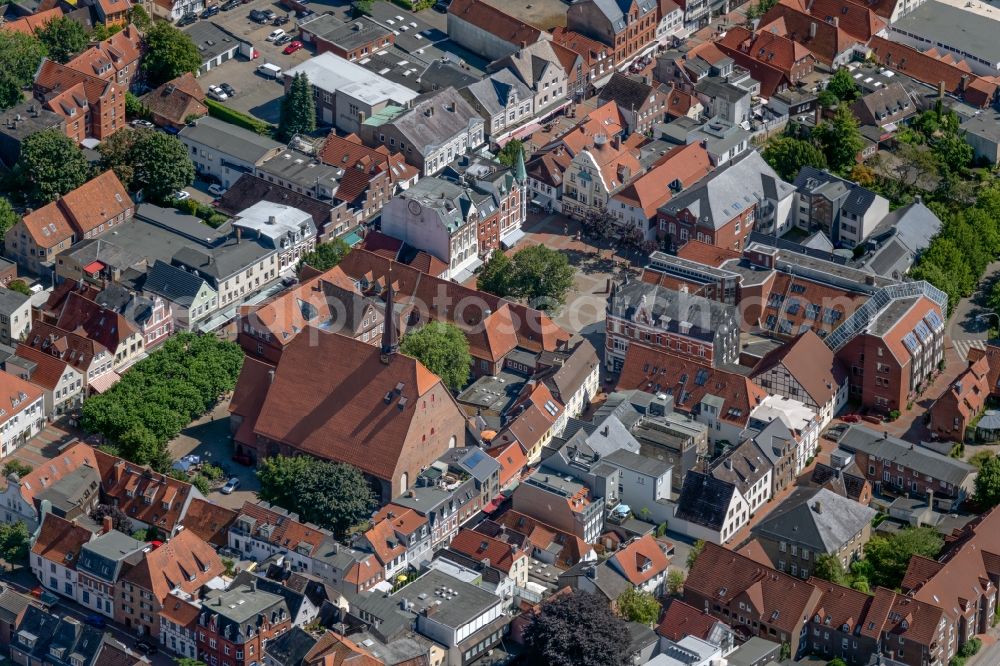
963, 347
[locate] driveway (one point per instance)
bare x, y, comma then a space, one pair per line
209, 438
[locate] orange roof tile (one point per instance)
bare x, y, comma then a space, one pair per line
684, 166
185, 561
60, 541
481, 547
29, 24
641, 560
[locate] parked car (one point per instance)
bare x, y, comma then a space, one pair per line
269, 70
441, 7
217, 190
276, 34
284, 39
279, 20
217, 93
305, 13
210, 11
187, 19
231, 91
146, 646
143, 123
850, 418
231, 485
96, 621
181, 195
230, 4
292, 48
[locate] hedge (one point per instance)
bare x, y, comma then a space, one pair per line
246, 121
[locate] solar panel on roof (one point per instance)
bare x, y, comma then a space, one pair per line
922, 331
934, 320
910, 341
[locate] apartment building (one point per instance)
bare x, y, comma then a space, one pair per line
562, 502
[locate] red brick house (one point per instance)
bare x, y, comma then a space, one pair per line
115, 59
627, 26
372, 176
830, 44
235, 624
953, 412
895, 353
94, 108
776, 61
113, 12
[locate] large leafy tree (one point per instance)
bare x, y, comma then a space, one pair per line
443, 349
508, 154
886, 558
577, 630
298, 111
15, 543
20, 55
63, 38
828, 567
154, 162
843, 86
326, 255
494, 276
636, 605
51, 165
953, 151
840, 139
987, 493
787, 155
332, 495
8, 216
169, 53
119, 519
542, 275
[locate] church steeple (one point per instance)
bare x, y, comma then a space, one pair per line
390, 336
520, 173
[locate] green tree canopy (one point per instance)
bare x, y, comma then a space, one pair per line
695, 551
326, 255
843, 86
298, 111
675, 582
508, 154
140, 17
953, 151
144, 159
20, 287
8, 216
987, 494
63, 37
15, 543
495, 276
888, 557
169, 53
828, 567
332, 495
787, 155
577, 630
840, 139
635, 605
20, 56
542, 276
15, 466
188, 661
443, 349
159, 395
51, 165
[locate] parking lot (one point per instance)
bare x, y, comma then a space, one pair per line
255, 94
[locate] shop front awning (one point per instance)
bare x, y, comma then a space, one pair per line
512, 239
104, 382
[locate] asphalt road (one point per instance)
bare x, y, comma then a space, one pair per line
965, 329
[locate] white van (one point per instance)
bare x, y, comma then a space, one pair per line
269, 70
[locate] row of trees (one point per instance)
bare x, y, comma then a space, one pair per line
161, 394
833, 144
334, 496
539, 275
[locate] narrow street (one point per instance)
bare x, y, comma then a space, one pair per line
964, 327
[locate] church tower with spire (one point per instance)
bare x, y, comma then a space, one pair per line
390, 336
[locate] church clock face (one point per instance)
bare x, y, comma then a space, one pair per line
414, 207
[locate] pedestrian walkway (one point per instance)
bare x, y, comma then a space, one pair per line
962, 347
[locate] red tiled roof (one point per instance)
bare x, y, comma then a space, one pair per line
511, 459
685, 165
209, 521
53, 78
856, 20
793, 306
501, 25
811, 363
587, 48
840, 605
286, 532
543, 537
148, 496
340, 413
185, 561
100, 199
16, 395
48, 370
679, 103
107, 58
768, 56
706, 253
176, 100
641, 560
384, 542
787, 19
928, 69
111, 7
481, 547
77, 350
908, 618
60, 541
85, 317
66, 463
992, 354
777, 598
656, 371
680, 620
29, 24
48, 226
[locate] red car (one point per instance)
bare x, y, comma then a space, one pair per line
293, 47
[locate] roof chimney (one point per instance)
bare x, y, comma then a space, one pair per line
106, 524
390, 338
818, 507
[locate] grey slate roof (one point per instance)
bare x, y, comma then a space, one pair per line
726, 192
173, 284
668, 309
605, 438
891, 449
229, 139
212, 40
704, 500
427, 132
494, 93
858, 199
12, 604
743, 466
290, 647
816, 517
10, 300
626, 91
904, 233
52, 632
615, 11
638, 463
